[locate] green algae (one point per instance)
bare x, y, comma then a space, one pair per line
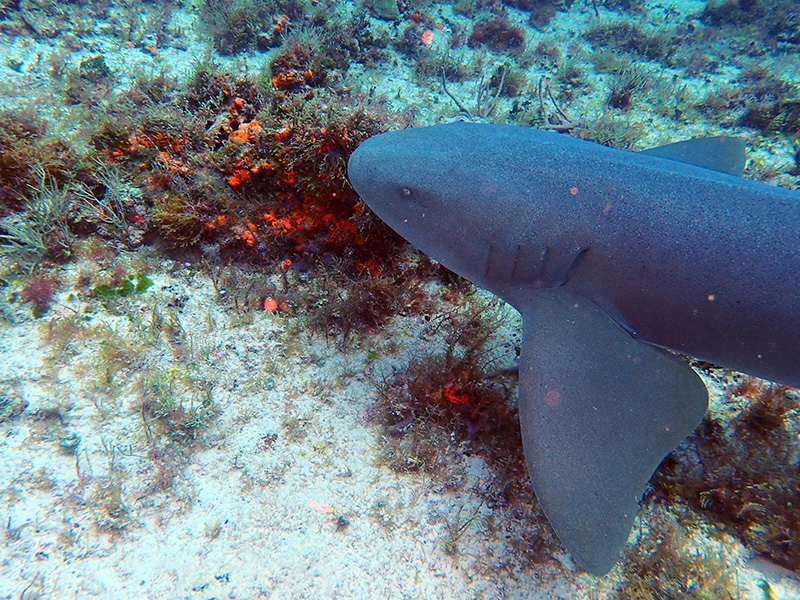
128, 286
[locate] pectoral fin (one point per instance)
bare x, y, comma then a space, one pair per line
599, 411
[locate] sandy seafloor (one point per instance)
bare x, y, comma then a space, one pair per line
312, 514
243, 520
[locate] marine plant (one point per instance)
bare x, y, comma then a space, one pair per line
744, 480
752, 26
25, 142
613, 131
122, 286
452, 402
39, 289
233, 26
11, 405
662, 565
117, 209
780, 116
541, 14
42, 231
457, 526
266, 179
570, 77
488, 92
360, 306
623, 36
342, 304
629, 81
89, 83
758, 99
300, 61
177, 403
499, 35
439, 396
106, 504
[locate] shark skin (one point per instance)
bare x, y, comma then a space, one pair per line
611, 257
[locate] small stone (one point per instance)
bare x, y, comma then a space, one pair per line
385, 9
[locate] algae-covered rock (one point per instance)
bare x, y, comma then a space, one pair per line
385, 9
11, 406
68, 441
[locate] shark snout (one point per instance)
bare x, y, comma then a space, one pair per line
356, 171
365, 172
370, 170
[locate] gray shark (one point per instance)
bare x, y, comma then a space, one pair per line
611, 257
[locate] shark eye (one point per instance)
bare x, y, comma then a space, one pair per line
411, 195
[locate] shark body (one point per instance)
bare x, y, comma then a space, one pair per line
610, 256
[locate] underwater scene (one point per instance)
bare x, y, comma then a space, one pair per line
224, 375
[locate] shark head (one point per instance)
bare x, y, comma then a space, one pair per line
407, 178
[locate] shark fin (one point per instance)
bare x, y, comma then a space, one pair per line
721, 153
599, 410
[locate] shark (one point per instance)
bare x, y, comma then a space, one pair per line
622, 264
